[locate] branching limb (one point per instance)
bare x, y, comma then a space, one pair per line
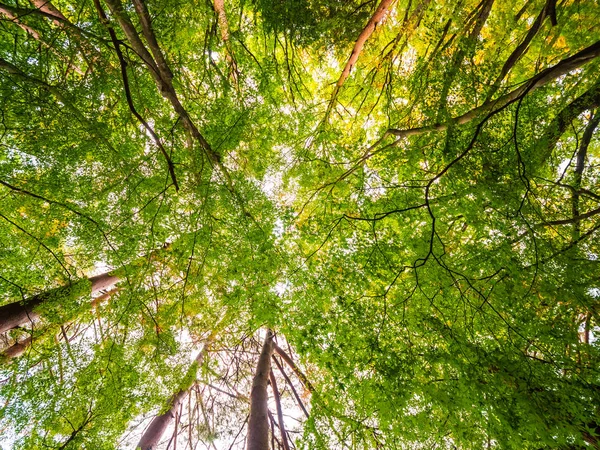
572, 220
50, 201
38, 37
562, 121
544, 77
11, 69
548, 11
39, 241
65, 23
146, 22
124, 76
281, 352
165, 86
466, 47
289, 383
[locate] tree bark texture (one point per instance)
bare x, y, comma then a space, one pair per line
284, 440
19, 313
258, 424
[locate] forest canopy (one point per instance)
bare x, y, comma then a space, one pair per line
338, 224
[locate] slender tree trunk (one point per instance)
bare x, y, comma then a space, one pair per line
563, 121
588, 134
466, 49
284, 440
258, 424
162, 75
19, 313
549, 10
291, 386
125, 78
219, 6
376, 19
160, 423
366, 33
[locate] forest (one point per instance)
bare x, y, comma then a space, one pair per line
299, 224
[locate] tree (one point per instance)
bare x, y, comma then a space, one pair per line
258, 424
403, 193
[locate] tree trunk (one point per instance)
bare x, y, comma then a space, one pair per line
160, 423
284, 440
19, 313
219, 6
588, 134
15, 350
376, 19
258, 424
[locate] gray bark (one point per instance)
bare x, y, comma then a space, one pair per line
258, 424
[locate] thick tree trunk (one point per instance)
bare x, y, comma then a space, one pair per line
160, 423
258, 424
15, 350
19, 313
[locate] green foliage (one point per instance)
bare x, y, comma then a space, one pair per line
438, 285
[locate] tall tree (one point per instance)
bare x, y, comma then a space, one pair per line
404, 192
258, 424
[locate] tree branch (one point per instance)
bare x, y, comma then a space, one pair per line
580, 165
366, 33
549, 10
544, 77
294, 367
124, 76
289, 383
